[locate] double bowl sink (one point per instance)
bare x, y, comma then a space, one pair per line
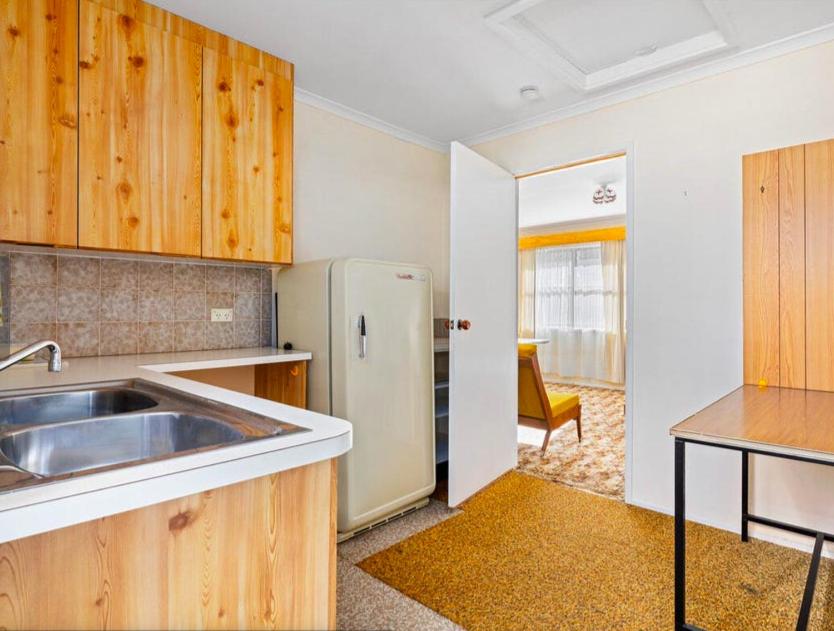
52, 433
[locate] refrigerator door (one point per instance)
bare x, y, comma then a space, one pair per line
383, 383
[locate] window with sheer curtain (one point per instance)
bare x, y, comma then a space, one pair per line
574, 297
569, 290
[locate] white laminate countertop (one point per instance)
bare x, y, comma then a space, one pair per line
32, 510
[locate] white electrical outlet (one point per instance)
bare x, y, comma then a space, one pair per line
222, 315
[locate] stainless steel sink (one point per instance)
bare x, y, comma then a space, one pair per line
71, 406
71, 447
50, 433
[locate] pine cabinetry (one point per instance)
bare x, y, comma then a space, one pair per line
247, 144
128, 128
38, 121
140, 163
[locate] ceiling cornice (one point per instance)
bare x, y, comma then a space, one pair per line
320, 102
765, 52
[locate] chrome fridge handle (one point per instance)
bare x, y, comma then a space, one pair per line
363, 338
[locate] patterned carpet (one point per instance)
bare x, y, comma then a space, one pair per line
597, 464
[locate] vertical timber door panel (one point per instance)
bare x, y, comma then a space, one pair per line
247, 177
483, 371
792, 267
761, 267
819, 244
140, 163
38, 121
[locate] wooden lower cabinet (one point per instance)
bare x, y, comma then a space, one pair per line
283, 382
255, 555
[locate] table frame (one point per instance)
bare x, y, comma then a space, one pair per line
746, 518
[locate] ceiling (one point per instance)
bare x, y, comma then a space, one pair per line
432, 71
566, 196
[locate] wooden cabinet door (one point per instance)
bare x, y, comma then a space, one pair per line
247, 171
140, 161
38, 121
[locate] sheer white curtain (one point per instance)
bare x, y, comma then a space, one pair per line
579, 307
526, 293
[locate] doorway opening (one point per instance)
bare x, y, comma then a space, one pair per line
572, 293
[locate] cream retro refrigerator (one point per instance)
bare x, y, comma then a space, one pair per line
369, 327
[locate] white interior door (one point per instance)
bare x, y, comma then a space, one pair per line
483, 364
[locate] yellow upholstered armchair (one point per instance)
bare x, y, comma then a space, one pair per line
536, 406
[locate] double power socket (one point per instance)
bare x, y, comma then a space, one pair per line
222, 315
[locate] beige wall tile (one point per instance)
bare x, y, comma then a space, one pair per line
189, 336
80, 272
156, 337
78, 339
190, 277
156, 306
220, 335
119, 274
29, 270
78, 305
247, 306
33, 304
118, 338
155, 276
247, 333
190, 305
220, 278
119, 305
247, 279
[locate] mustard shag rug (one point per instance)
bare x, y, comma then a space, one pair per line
529, 554
597, 464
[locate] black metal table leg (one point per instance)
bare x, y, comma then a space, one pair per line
744, 497
680, 535
810, 585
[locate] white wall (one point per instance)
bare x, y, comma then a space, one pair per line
360, 192
687, 329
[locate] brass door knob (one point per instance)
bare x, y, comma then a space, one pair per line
464, 324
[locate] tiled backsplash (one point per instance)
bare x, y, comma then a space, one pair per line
97, 305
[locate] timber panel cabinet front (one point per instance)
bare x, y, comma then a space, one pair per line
183, 135
247, 178
139, 167
38, 121
789, 266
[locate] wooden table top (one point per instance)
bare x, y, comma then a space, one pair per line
778, 420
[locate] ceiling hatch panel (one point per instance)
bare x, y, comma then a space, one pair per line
599, 34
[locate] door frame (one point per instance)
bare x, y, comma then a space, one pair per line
629, 149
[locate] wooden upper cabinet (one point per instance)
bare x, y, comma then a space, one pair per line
247, 149
140, 133
38, 121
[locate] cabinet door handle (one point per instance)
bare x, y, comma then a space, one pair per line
464, 325
363, 338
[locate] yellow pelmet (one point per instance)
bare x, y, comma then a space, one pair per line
617, 233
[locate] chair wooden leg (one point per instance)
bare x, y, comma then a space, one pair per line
579, 425
546, 440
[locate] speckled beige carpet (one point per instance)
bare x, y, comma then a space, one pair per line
528, 554
596, 464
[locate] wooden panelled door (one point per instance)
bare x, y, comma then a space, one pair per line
140, 135
247, 144
789, 266
38, 121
